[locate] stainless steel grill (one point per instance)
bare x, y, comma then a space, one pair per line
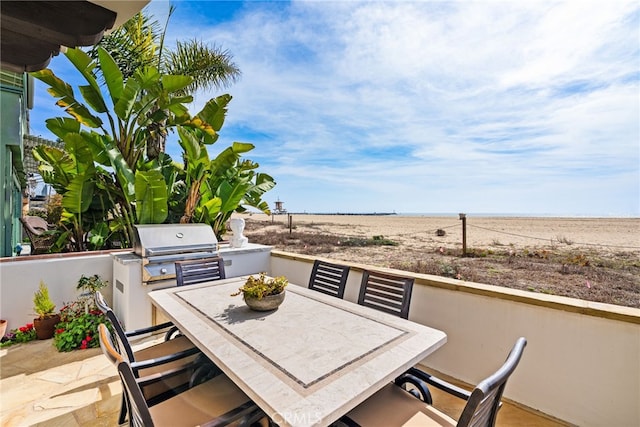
161, 245
151, 265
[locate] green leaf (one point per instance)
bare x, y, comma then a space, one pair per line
66, 98
172, 83
60, 126
214, 111
90, 93
79, 195
151, 197
112, 74
125, 103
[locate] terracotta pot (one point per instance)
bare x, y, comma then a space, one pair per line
3, 328
45, 327
268, 303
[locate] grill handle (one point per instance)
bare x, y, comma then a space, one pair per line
169, 250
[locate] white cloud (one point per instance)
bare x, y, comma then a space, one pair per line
423, 106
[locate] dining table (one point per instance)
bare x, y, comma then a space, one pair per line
309, 361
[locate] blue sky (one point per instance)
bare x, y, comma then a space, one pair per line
528, 108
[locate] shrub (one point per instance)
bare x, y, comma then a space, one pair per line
79, 331
24, 333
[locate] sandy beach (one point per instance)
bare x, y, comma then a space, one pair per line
607, 234
596, 259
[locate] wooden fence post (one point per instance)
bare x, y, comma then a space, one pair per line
463, 217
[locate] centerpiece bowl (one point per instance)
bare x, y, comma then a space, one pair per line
263, 293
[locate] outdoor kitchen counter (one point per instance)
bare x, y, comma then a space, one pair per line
307, 363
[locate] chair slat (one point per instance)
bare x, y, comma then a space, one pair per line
191, 272
386, 292
329, 278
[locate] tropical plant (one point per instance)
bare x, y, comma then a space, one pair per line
217, 188
107, 182
140, 43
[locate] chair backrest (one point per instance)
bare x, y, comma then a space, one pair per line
139, 414
35, 228
483, 404
386, 292
35, 224
122, 342
329, 278
194, 271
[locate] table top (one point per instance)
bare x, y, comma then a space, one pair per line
306, 363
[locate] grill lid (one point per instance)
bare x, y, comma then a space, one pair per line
167, 239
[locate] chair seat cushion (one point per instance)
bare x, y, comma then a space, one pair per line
199, 404
394, 407
164, 349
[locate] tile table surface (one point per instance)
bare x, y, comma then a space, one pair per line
306, 363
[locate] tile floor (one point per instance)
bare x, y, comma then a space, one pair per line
41, 387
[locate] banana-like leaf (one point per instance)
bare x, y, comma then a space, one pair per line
232, 195
79, 194
151, 197
97, 144
61, 126
66, 98
56, 167
91, 93
112, 74
147, 77
79, 151
127, 100
230, 155
174, 83
214, 111
124, 174
194, 152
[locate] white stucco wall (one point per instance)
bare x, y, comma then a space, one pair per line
581, 364
19, 280
580, 368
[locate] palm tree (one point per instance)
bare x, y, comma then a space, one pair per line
140, 42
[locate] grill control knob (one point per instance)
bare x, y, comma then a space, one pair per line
163, 270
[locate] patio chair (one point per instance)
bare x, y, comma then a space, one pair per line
329, 278
215, 402
386, 292
194, 271
394, 406
177, 354
38, 232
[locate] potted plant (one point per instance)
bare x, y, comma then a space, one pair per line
263, 293
46, 321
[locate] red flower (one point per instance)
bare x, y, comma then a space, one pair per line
88, 338
29, 326
23, 329
59, 331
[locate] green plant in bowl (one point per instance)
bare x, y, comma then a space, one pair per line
262, 286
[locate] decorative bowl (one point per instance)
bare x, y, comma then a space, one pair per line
268, 303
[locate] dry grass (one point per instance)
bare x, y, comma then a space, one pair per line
589, 274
